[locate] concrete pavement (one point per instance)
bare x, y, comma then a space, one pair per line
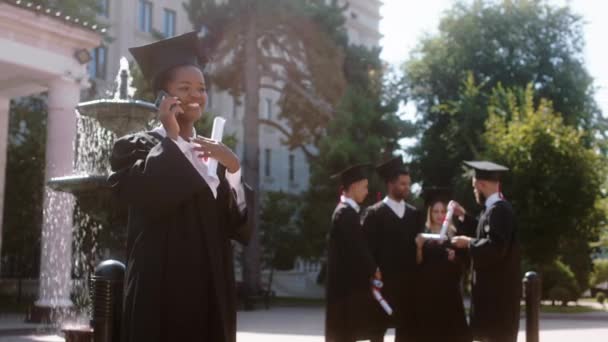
305, 324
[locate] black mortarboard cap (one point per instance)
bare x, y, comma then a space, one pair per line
391, 169
158, 57
487, 170
435, 193
352, 174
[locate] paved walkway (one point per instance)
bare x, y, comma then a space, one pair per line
300, 324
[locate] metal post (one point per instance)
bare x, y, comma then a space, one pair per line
107, 284
531, 284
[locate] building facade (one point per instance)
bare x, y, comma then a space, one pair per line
136, 22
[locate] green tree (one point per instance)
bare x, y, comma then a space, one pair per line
491, 42
279, 233
555, 180
25, 166
600, 272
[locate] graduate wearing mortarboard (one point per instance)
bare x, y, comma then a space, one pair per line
492, 242
179, 283
350, 266
391, 227
440, 307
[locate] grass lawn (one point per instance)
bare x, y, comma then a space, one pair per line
567, 309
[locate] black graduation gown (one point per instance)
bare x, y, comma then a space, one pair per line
350, 268
496, 260
440, 307
179, 282
392, 244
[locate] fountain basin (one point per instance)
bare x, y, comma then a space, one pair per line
121, 116
94, 195
77, 333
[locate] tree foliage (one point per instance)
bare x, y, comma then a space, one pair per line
24, 187
513, 43
555, 180
280, 235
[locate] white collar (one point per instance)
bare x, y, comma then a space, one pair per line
493, 199
162, 131
351, 202
397, 207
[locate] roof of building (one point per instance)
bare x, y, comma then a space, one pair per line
54, 13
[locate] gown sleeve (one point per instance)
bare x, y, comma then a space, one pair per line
238, 221
349, 235
466, 227
370, 231
495, 245
151, 173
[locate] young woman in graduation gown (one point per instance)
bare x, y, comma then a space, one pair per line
440, 307
179, 283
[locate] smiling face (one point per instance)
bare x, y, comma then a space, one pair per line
187, 83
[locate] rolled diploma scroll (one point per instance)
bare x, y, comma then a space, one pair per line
444, 227
217, 134
377, 285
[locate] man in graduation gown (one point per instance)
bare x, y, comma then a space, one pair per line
492, 242
350, 267
179, 282
391, 226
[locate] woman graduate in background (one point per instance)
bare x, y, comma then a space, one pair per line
441, 310
179, 283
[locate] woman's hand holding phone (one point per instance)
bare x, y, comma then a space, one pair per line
168, 109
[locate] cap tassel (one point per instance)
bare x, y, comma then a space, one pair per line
502, 197
340, 192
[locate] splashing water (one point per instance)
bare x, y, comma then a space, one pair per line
74, 239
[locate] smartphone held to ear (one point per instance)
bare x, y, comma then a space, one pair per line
159, 99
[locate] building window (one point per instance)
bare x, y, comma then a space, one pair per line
169, 23
97, 65
104, 8
145, 16
292, 168
267, 161
269, 109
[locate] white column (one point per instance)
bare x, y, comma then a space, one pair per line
4, 120
56, 242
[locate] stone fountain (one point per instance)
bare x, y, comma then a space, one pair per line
119, 115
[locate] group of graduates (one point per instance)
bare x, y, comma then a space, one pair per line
388, 248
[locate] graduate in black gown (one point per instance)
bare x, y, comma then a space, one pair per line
391, 227
440, 307
492, 242
179, 282
350, 308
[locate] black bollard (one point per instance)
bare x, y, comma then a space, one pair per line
531, 283
107, 289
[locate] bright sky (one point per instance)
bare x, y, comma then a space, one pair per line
405, 21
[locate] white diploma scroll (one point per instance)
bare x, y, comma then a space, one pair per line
443, 234
377, 285
217, 134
